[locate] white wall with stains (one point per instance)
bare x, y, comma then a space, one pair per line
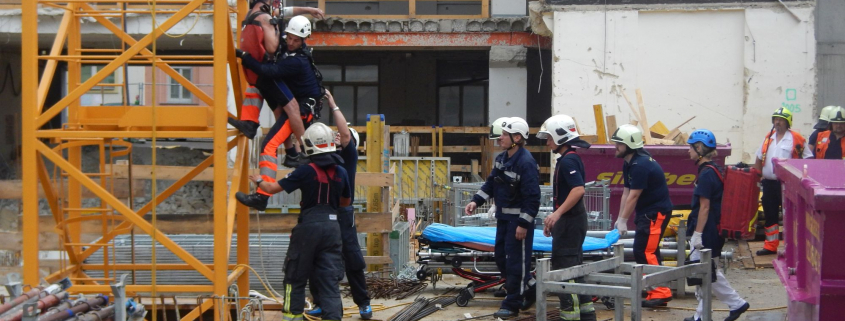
731, 68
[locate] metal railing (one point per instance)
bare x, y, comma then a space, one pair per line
410, 9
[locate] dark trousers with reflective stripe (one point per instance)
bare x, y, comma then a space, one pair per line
772, 202
650, 229
513, 258
315, 249
353, 260
568, 236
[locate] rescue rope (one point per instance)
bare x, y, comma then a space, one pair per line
197, 19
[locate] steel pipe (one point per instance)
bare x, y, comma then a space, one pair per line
46, 302
79, 308
21, 299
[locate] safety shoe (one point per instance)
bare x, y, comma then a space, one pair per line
315, 312
246, 127
505, 314
766, 252
530, 298
736, 313
654, 303
254, 200
294, 161
366, 312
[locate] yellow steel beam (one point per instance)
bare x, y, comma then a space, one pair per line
61, 274
196, 312
243, 233
375, 164
237, 176
108, 69
44, 179
160, 198
201, 95
50, 68
145, 266
222, 228
238, 82
134, 217
72, 134
29, 84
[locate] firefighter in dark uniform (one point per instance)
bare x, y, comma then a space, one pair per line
514, 183
286, 80
646, 193
315, 244
567, 225
353, 259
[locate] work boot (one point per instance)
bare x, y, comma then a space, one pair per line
654, 303
691, 319
500, 293
294, 161
246, 127
254, 200
766, 252
366, 312
736, 313
530, 298
315, 312
505, 314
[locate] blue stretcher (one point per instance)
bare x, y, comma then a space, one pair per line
487, 235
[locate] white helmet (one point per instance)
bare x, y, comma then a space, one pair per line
356, 137
318, 139
560, 127
496, 127
516, 125
299, 26
629, 135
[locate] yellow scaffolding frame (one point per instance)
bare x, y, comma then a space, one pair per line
105, 126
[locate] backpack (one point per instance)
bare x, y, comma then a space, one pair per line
739, 203
317, 104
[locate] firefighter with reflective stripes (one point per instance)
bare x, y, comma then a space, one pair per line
315, 243
647, 194
347, 140
822, 125
704, 221
283, 83
567, 225
514, 182
781, 142
829, 144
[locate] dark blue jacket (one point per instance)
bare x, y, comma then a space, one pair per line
294, 68
515, 184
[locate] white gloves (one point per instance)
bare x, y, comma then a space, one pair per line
695, 241
622, 226
491, 213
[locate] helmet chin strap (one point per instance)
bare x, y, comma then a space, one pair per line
513, 143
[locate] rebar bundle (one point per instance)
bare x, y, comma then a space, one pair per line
383, 288
422, 308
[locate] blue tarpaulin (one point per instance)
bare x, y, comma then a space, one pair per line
444, 233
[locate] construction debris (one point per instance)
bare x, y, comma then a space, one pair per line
656, 134
384, 288
422, 308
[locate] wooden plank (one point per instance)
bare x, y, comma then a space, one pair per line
684, 123
578, 128
658, 141
176, 172
377, 260
745, 255
674, 133
659, 130
601, 131
762, 261
47, 240
473, 166
631, 105
611, 125
643, 119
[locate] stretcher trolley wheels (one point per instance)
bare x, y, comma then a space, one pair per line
457, 262
464, 296
422, 273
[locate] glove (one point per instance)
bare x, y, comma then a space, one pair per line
695, 241
492, 212
239, 53
622, 226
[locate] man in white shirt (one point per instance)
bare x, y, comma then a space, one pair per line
783, 143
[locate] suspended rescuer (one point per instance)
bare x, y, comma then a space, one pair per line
647, 194
783, 143
704, 221
353, 259
260, 37
514, 182
829, 144
281, 82
315, 242
567, 225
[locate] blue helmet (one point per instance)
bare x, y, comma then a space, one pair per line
704, 136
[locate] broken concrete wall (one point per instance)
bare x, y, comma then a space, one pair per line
731, 67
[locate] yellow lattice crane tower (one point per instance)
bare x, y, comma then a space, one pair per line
107, 126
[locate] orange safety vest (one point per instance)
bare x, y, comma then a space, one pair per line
797, 150
252, 41
823, 142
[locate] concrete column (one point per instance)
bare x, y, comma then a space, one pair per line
508, 81
830, 53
